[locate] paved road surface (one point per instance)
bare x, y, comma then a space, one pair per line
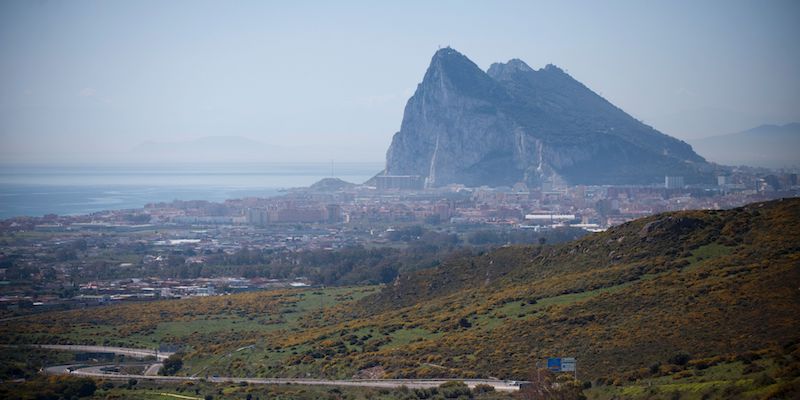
97, 371
153, 369
139, 353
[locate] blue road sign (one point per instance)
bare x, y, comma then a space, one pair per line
554, 364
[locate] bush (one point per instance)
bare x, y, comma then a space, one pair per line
454, 389
481, 388
763, 380
681, 358
423, 394
752, 368
748, 357
785, 390
55, 387
655, 368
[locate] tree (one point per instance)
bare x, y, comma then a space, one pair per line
681, 358
172, 365
85, 387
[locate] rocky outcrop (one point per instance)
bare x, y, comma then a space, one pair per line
516, 124
331, 185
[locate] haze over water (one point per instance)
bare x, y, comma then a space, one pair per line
40, 190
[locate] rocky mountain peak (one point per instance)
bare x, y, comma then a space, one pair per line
501, 71
450, 70
447, 52
553, 68
516, 124
448, 60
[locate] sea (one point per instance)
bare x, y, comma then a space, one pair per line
75, 190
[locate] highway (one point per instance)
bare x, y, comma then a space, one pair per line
138, 353
98, 372
153, 369
101, 371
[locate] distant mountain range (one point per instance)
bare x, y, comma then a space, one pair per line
768, 146
701, 122
516, 124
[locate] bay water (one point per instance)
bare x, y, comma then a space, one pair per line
36, 190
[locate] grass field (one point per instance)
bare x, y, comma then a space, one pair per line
240, 335
737, 379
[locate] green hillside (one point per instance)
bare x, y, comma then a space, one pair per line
706, 283
645, 299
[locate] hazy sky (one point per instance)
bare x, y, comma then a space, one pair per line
91, 80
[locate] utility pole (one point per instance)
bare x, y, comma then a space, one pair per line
322, 304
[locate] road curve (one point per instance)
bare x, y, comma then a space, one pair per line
153, 369
97, 372
138, 353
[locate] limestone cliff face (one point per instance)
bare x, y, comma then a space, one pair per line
451, 123
515, 124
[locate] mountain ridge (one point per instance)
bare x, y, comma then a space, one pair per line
767, 145
516, 124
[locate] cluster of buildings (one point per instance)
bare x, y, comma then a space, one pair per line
43, 269
155, 288
102, 292
402, 199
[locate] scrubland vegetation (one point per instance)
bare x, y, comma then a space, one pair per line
701, 303
56, 388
